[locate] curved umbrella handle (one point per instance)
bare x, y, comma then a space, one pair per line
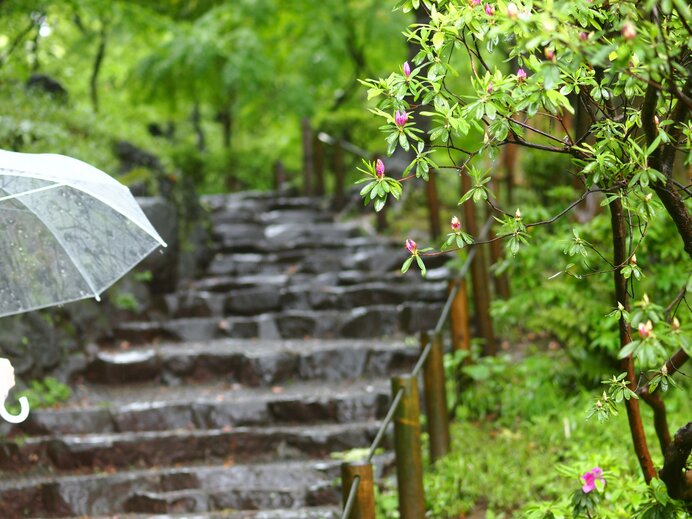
23, 413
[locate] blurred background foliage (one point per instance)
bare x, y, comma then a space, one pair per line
214, 90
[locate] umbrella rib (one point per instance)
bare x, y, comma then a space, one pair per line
30, 192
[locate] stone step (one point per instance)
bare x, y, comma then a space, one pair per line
365, 321
288, 486
318, 512
251, 362
96, 409
97, 452
303, 293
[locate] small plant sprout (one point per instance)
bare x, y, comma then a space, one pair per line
457, 237
412, 248
377, 187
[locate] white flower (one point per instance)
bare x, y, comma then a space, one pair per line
6, 379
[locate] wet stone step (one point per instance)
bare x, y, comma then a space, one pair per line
103, 409
166, 448
252, 363
360, 322
153, 491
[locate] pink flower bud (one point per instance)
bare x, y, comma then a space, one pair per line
517, 214
411, 246
676, 324
407, 70
455, 224
512, 11
645, 329
549, 54
633, 259
490, 88
489, 10
657, 121
628, 31
583, 36
379, 168
400, 118
475, 2
521, 75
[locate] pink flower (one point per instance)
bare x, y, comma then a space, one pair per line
628, 31
521, 74
475, 2
455, 224
411, 246
407, 70
590, 479
379, 168
512, 11
489, 10
400, 118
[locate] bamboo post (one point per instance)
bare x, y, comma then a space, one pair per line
308, 164
459, 316
435, 397
338, 167
407, 446
364, 503
433, 206
479, 277
318, 154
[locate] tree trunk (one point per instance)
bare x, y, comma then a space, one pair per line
96, 69
196, 119
479, 276
308, 163
620, 258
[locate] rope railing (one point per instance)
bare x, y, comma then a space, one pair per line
409, 475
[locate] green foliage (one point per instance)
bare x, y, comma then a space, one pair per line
45, 392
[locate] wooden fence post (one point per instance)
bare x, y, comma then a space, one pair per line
279, 175
407, 446
435, 396
459, 316
364, 504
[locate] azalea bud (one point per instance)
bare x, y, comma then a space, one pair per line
489, 10
645, 329
675, 324
521, 74
400, 118
583, 36
517, 214
648, 197
549, 54
512, 11
628, 31
411, 246
407, 70
490, 88
633, 259
475, 2
455, 224
656, 120
664, 370
379, 168
645, 299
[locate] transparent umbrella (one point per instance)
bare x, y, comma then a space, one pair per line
68, 231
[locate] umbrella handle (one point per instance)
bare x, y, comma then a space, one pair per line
23, 413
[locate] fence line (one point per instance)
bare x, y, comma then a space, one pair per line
427, 343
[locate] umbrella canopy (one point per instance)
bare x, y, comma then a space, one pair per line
68, 231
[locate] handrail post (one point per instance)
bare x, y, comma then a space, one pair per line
459, 316
436, 397
407, 446
364, 503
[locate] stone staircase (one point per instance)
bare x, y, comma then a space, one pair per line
230, 404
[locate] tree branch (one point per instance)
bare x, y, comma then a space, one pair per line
677, 478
